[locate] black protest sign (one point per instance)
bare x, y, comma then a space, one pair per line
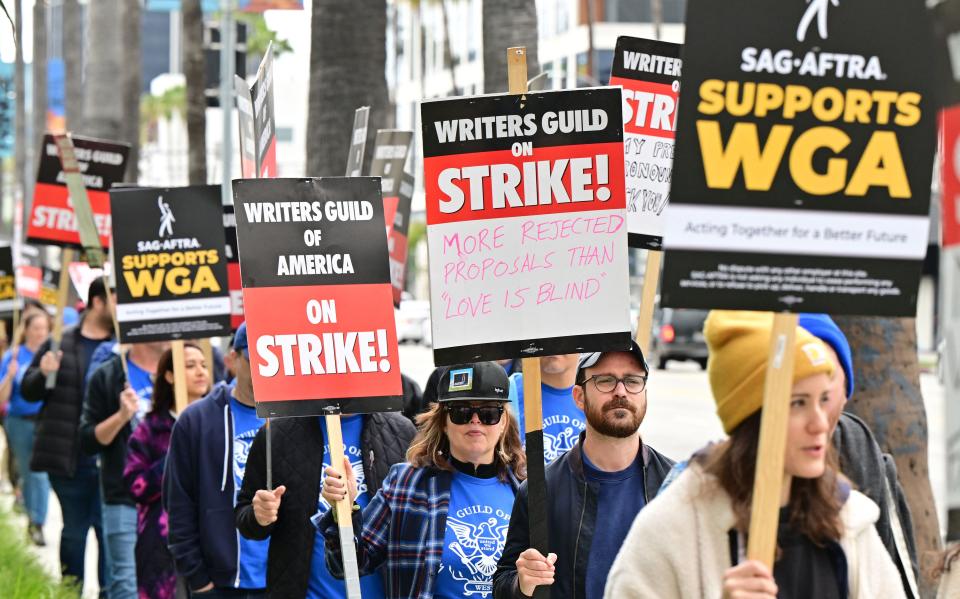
246, 121
804, 157
317, 296
358, 141
168, 253
233, 266
648, 71
8, 286
265, 131
397, 241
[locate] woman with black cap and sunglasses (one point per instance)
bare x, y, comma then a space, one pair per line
439, 522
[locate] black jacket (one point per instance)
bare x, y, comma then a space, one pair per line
297, 459
572, 513
56, 444
100, 402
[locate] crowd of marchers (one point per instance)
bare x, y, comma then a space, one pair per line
182, 504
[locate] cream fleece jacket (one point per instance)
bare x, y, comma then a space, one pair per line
678, 546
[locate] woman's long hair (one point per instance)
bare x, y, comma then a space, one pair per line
431, 447
814, 502
163, 395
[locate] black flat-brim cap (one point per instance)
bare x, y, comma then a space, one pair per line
479, 381
591, 359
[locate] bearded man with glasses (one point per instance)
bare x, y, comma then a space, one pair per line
610, 471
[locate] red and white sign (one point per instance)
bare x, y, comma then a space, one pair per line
950, 173
527, 229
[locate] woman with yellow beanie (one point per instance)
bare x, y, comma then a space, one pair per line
691, 541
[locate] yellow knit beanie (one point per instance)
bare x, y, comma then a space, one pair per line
739, 344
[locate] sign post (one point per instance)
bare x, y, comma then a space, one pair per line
800, 184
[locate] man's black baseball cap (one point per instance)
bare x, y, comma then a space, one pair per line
589, 360
479, 381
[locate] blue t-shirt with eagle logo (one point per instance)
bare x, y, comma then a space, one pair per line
252, 559
477, 523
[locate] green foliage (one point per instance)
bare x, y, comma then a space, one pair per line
21, 575
259, 36
416, 234
153, 108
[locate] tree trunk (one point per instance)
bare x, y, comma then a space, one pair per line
887, 397
347, 64
193, 71
656, 15
39, 84
448, 49
103, 97
591, 49
20, 109
132, 80
506, 24
73, 64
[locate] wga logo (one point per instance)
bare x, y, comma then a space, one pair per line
817, 9
166, 218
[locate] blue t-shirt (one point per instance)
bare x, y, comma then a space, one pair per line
322, 584
620, 499
476, 532
18, 405
562, 419
252, 564
140, 382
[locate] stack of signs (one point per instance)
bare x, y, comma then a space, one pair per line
245, 118
52, 217
316, 291
397, 238
8, 285
264, 130
233, 267
389, 155
802, 176
526, 224
649, 72
169, 264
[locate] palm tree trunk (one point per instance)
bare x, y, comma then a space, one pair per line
193, 71
73, 63
20, 175
591, 54
132, 80
347, 63
103, 105
448, 49
506, 24
39, 81
887, 397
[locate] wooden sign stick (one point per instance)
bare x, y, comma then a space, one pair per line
344, 509
532, 398
648, 299
66, 257
179, 376
768, 480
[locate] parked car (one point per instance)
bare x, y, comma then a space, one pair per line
413, 320
679, 336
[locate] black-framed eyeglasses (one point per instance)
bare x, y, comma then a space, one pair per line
605, 383
463, 413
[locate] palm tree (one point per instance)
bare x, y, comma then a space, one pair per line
73, 63
39, 81
103, 106
507, 23
347, 63
132, 80
888, 399
193, 71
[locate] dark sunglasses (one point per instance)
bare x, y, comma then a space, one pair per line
463, 414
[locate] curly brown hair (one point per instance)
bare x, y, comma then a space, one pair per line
814, 502
431, 447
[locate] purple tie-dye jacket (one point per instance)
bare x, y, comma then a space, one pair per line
143, 474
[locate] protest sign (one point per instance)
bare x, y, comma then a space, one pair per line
389, 155
649, 72
317, 296
358, 141
52, 216
526, 224
233, 267
397, 242
802, 174
246, 120
264, 129
8, 285
950, 176
168, 247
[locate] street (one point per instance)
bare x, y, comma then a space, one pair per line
680, 419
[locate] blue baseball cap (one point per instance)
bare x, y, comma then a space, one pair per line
240, 340
824, 328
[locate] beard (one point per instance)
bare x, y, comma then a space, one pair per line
603, 418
